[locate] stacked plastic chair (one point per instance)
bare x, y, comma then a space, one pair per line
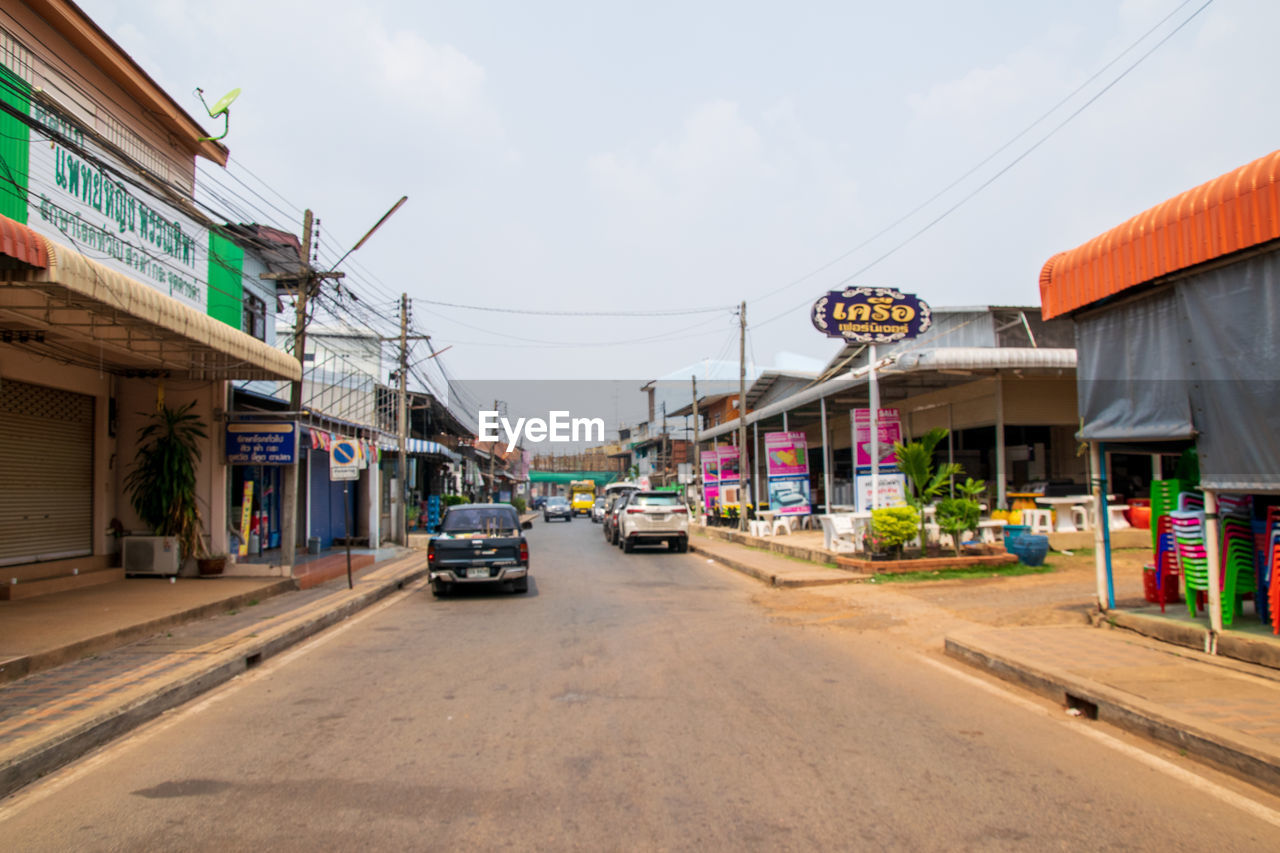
1166, 563
1164, 499
1272, 562
1237, 554
1193, 559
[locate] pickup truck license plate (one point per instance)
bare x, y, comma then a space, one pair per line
478, 573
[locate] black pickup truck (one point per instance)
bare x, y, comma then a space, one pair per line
479, 543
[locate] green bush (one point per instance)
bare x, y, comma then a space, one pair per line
518, 503
955, 516
893, 526
454, 500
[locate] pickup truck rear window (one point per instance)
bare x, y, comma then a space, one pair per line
491, 522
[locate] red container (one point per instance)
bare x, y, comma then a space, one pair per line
1139, 516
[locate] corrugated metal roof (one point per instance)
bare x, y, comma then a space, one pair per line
21, 243
1232, 212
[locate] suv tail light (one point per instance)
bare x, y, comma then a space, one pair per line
679, 509
634, 510
524, 552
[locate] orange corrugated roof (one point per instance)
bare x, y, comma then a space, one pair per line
1232, 212
20, 242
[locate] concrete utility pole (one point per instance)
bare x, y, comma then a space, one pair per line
493, 446
697, 450
742, 416
398, 507
305, 280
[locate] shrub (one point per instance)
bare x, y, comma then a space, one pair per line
957, 515
518, 503
454, 500
893, 526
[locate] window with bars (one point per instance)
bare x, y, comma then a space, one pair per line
255, 317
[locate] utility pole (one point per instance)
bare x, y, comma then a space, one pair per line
398, 508
742, 416
697, 448
305, 280
493, 446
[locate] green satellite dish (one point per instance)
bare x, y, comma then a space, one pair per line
222, 107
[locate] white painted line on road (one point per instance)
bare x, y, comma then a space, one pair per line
1201, 784
44, 788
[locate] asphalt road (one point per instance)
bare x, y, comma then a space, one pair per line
645, 701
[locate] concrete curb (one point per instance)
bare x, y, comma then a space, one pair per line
798, 579
1230, 644
1253, 759
21, 667
202, 676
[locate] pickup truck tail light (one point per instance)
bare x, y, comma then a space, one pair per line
431, 553
524, 552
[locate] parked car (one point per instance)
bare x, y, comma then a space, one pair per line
597, 510
479, 543
557, 506
619, 502
538, 502
652, 517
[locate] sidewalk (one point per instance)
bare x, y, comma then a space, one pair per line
1214, 708
54, 716
1147, 674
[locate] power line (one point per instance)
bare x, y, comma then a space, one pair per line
673, 312
1026, 153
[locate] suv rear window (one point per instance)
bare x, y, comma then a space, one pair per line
661, 499
488, 520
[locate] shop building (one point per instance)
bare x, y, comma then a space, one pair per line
117, 293
1174, 315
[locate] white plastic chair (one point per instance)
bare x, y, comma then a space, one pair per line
1115, 516
1038, 520
782, 526
759, 527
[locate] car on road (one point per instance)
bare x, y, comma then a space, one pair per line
557, 506
650, 518
538, 502
617, 501
479, 543
597, 509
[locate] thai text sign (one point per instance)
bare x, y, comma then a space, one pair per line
889, 431
262, 443
871, 315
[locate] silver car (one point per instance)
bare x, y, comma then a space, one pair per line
597, 510
652, 517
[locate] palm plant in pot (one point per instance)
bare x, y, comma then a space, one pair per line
162, 484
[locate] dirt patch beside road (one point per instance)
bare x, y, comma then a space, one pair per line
921, 613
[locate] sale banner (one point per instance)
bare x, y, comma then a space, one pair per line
889, 430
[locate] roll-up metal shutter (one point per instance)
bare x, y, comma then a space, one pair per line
46, 463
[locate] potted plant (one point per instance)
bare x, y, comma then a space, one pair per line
891, 528
211, 565
162, 484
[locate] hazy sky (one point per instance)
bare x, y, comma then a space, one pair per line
599, 156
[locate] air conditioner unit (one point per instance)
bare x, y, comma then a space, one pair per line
151, 555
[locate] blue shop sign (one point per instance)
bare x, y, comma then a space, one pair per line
871, 315
262, 443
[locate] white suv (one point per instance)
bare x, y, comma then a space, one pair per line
652, 517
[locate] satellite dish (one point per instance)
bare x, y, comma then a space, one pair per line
222, 107
225, 101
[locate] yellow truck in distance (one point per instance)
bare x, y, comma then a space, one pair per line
582, 494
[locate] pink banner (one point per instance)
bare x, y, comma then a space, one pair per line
729, 465
890, 430
786, 454
710, 476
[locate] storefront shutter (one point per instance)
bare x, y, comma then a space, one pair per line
46, 454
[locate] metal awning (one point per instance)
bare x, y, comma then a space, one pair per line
906, 363
79, 311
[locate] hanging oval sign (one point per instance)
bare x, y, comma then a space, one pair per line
871, 315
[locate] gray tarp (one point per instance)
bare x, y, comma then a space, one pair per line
1200, 356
